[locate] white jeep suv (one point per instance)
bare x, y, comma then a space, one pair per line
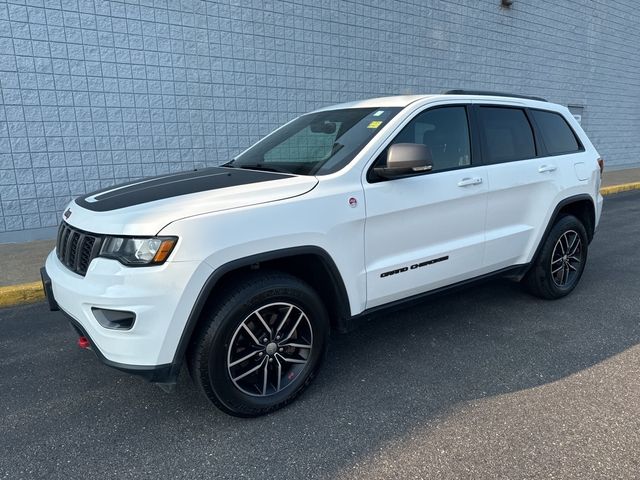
241, 271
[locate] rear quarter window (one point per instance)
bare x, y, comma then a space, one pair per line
558, 137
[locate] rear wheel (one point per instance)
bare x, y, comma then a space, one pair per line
260, 345
561, 261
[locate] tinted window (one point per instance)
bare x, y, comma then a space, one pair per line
316, 143
445, 131
508, 135
311, 144
556, 133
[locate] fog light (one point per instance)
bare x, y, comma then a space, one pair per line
114, 319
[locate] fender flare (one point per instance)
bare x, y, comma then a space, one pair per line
218, 273
554, 216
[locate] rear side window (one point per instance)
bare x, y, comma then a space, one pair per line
507, 133
557, 135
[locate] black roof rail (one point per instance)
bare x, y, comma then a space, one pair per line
460, 91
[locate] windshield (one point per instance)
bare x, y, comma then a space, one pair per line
316, 143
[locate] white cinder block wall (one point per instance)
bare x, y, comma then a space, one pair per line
97, 92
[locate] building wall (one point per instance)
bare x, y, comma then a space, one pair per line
99, 92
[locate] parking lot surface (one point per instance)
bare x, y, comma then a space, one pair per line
487, 382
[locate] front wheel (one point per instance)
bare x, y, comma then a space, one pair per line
260, 345
559, 266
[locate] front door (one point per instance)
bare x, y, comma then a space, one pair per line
426, 231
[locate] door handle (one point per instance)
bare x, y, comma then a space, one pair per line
465, 182
547, 168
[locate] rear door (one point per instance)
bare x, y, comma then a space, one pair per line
427, 231
524, 183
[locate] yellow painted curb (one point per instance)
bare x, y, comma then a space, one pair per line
624, 187
23, 293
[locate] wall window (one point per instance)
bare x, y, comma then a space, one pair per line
507, 133
556, 133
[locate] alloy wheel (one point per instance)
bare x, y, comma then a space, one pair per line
566, 259
269, 349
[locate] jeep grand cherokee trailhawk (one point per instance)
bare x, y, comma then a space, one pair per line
241, 271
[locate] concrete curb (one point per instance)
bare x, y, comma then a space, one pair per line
32, 292
623, 187
19, 294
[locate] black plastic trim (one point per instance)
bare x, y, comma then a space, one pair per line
515, 271
205, 292
155, 373
475, 132
122, 320
541, 148
461, 91
552, 220
48, 290
66, 233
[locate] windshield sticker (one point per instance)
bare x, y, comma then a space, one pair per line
378, 113
374, 124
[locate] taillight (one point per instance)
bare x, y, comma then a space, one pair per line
601, 165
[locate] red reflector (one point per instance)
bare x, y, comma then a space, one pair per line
83, 342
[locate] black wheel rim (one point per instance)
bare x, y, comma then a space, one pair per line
566, 259
269, 349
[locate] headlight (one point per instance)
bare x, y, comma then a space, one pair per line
138, 251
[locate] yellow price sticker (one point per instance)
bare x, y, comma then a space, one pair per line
374, 124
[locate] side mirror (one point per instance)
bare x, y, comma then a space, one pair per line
406, 160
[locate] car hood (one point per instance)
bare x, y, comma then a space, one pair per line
144, 207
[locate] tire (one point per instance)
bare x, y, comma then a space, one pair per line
270, 324
559, 251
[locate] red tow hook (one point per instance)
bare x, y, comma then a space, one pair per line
83, 342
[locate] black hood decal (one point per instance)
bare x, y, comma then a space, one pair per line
167, 186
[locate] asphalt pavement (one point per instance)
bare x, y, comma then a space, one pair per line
488, 382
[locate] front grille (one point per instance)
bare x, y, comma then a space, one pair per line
76, 249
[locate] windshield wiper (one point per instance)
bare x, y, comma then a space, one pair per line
262, 167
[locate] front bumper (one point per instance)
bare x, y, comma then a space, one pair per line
161, 297
158, 374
